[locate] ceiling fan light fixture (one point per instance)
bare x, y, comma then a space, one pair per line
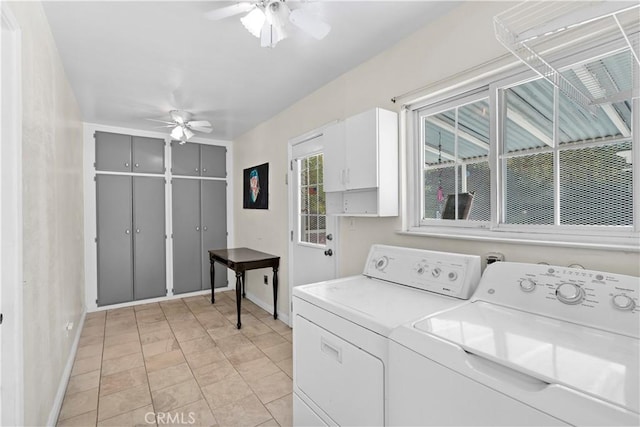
254, 21
187, 133
177, 133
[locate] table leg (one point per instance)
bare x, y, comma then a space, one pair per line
275, 292
243, 289
238, 295
212, 273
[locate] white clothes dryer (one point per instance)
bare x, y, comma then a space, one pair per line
341, 329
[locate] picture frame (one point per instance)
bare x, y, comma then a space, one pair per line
256, 187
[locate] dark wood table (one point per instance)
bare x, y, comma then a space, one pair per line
241, 260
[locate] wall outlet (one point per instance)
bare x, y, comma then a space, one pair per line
266, 279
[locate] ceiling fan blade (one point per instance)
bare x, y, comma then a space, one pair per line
201, 129
165, 126
199, 123
162, 121
309, 23
227, 11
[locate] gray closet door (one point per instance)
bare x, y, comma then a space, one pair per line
214, 229
148, 155
115, 269
187, 268
185, 159
213, 161
149, 269
113, 152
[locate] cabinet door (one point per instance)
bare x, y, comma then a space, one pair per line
213, 161
185, 159
115, 266
334, 157
361, 132
149, 269
148, 155
187, 264
214, 229
113, 152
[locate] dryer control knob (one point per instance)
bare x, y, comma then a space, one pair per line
436, 272
527, 285
381, 263
623, 302
569, 293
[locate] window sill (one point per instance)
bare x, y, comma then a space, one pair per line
630, 243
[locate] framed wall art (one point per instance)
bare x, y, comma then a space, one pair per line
256, 187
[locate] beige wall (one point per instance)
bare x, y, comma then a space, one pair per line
52, 207
454, 43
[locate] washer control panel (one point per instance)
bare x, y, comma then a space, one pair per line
592, 298
445, 273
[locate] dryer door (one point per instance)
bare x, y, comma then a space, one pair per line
344, 381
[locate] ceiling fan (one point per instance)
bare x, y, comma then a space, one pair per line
183, 126
266, 19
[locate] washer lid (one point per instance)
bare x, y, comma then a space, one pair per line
593, 361
374, 304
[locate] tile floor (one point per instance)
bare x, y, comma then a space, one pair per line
184, 361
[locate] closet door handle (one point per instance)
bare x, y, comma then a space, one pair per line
204, 169
137, 230
197, 228
126, 164
197, 169
204, 228
127, 231
137, 165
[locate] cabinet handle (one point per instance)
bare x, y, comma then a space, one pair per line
196, 169
137, 230
204, 228
127, 231
137, 165
126, 164
197, 228
204, 169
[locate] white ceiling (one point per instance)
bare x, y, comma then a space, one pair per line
129, 61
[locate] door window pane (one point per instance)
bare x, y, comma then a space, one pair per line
312, 213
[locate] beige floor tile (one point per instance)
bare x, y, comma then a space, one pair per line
244, 354
97, 321
271, 387
158, 347
270, 423
119, 339
96, 315
246, 412
123, 380
221, 332
123, 363
119, 313
288, 336
232, 343
164, 360
123, 401
120, 350
120, 327
152, 306
90, 340
257, 368
83, 382
79, 403
150, 337
211, 319
150, 316
82, 420
282, 410
92, 331
166, 377
175, 396
141, 417
195, 414
214, 372
146, 328
198, 345
287, 366
279, 352
186, 334
181, 315
255, 330
197, 360
89, 351
89, 364
267, 340
277, 325
226, 391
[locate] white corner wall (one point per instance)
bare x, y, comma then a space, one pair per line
452, 44
53, 254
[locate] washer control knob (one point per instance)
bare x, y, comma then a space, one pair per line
381, 263
569, 293
527, 285
436, 272
623, 302
420, 270
452, 276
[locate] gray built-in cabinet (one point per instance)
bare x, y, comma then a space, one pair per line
125, 153
199, 214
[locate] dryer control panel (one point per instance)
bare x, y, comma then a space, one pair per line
592, 298
445, 273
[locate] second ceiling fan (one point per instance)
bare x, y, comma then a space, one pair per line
267, 20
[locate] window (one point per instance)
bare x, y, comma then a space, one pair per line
312, 201
517, 155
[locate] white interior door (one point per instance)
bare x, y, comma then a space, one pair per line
313, 235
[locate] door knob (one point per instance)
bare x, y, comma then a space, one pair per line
127, 231
126, 164
329, 236
137, 165
197, 228
328, 252
204, 228
137, 230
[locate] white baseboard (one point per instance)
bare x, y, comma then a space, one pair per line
66, 374
267, 307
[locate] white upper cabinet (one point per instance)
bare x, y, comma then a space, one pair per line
361, 164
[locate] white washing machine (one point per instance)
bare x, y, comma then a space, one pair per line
536, 345
341, 329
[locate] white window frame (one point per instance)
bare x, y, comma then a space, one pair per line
601, 237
